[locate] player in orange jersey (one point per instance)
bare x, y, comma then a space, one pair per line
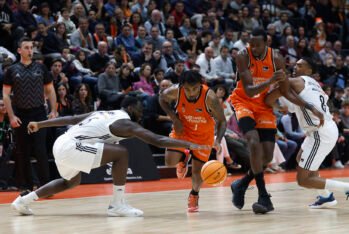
258, 68
196, 116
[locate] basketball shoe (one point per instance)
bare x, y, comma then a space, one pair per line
238, 191
324, 202
21, 207
122, 209
182, 166
263, 205
193, 203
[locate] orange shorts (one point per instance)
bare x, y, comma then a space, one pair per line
260, 113
202, 155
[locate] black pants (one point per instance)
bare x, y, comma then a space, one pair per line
27, 145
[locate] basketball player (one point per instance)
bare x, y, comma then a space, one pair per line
197, 114
321, 136
91, 143
258, 68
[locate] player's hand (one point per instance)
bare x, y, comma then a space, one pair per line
217, 146
278, 76
199, 147
52, 115
178, 126
320, 115
15, 122
33, 127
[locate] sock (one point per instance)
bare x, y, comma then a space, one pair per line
262, 191
337, 185
30, 197
118, 193
245, 181
193, 192
324, 192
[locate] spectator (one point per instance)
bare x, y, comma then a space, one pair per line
23, 16
82, 38
190, 46
83, 73
136, 21
247, 22
178, 13
155, 118
223, 67
57, 75
175, 75
144, 85
92, 21
337, 98
78, 12
99, 60
109, 8
215, 45
99, 35
323, 53
126, 78
155, 38
291, 128
206, 64
45, 16
227, 40
121, 56
141, 37
243, 41
125, 9
186, 27
155, 22
170, 55
171, 25
140, 8
65, 18
82, 102
49, 43
30, 83
340, 153
8, 27
109, 88
282, 23
158, 77
61, 35
344, 115
64, 100
126, 39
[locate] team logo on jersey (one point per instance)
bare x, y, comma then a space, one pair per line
17, 75
265, 68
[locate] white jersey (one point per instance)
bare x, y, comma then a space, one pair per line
95, 128
314, 95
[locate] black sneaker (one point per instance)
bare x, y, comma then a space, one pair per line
263, 205
238, 194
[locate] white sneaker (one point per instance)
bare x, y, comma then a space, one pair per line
123, 209
21, 207
338, 164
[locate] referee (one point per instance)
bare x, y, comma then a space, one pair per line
30, 83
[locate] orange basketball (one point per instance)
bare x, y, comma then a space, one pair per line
213, 172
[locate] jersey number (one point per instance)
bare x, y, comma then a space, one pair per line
323, 104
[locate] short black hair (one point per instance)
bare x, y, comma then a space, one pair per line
191, 77
23, 39
129, 101
311, 64
259, 32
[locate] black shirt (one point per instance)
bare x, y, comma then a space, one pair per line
27, 83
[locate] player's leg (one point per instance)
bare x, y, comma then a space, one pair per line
178, 158
239, 187
193, 199
118, 155
21, 204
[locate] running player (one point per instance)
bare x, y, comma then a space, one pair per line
321, 136
91, 143
197, 112
258, 68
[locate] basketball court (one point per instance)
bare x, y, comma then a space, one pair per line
83, 210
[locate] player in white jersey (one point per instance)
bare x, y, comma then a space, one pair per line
321, 134
91, 143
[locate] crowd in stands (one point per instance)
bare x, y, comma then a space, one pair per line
98, 51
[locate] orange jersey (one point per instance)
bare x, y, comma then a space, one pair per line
198, 124
261, 71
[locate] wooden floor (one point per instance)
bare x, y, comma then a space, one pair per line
165, 212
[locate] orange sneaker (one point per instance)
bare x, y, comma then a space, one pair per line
182, 167
193, 203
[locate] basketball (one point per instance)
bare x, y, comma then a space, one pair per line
213, 172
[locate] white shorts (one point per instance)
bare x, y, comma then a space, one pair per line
317, 145
73, 156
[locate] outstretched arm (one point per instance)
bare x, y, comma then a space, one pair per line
217, 112
126, 128
57, 122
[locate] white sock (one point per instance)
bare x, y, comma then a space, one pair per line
118, 193
32, 196
337, 185
324, 192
